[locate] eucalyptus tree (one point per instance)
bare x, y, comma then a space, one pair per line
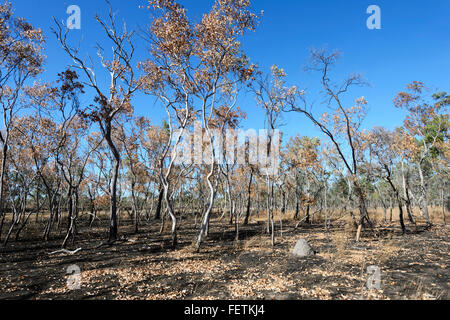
38, 134
223, 68
342, 124
382, 145
192, 69
22, 181
113, 99
303, 159
153, 144
168, 75
426, 122
272, 96
21, 58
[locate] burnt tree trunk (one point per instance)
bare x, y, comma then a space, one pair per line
308, 217
113, 227
2, 180
249, 198
157, 215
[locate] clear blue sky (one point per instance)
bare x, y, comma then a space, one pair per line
414, 44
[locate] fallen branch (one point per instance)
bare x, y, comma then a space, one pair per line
66, 251
304, 219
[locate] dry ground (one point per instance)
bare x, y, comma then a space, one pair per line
413, 266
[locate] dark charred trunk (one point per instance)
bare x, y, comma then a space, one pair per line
113, 226
297, 207
157, 215
308, 218
249, 198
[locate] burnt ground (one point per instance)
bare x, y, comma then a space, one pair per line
413, 266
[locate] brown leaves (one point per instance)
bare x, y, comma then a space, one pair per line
421, 117
404, 144
20, 45
302, 152
226, 118
179, 44
70, 86
171, 32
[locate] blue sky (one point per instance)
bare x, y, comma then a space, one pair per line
413, 44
